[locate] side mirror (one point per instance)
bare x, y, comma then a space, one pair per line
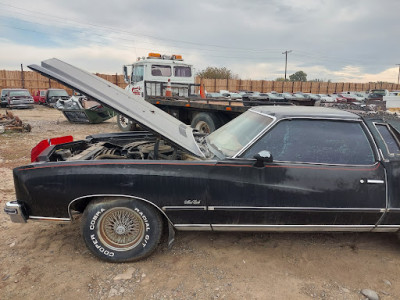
263, 157
126, 78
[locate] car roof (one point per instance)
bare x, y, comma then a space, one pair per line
282, 112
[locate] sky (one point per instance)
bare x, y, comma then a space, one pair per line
337, 40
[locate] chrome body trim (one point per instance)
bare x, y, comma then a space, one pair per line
116, 195
56, 220
375, 181
386, 228
287, 228
185, 207
14, 210
299, 228
321, 209
193, 227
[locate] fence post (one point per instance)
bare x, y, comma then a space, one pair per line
116, 79
22, 77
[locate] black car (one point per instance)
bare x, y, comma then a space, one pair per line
53, 95
273, 168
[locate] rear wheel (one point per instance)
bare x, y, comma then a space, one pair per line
125, 124
206, 123
120, 230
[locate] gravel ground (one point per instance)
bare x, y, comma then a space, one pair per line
40, 260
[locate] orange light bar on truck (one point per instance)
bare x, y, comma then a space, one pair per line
177, 57
155, 55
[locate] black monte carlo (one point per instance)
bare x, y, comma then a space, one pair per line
273, 168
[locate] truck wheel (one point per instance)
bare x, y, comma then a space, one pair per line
124, 123
121, 230
206, 123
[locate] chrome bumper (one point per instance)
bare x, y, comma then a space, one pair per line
14, 210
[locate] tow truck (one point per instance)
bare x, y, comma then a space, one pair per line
169, 83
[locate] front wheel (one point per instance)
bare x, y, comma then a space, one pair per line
121, 230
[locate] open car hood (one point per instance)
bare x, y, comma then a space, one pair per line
132, 106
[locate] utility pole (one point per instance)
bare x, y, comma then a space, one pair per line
398, 76
286, 53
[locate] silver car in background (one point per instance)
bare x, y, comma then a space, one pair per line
18, 98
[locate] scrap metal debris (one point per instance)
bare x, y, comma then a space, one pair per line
11, 123
80, 109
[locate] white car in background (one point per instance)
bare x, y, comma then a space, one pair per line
326, 98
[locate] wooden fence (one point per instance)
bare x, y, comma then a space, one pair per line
34, 81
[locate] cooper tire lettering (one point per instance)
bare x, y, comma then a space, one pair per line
120, 230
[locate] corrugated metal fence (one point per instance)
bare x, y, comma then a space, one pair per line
34, 81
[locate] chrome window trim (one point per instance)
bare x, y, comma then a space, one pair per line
384, 142
367, 132
259, 134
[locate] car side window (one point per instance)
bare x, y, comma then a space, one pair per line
316, 141
391, 142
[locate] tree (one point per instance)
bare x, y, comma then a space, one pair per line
281, 79
298, 76
216, 73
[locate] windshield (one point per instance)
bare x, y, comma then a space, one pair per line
236, 134
58, 93
137, 73
19, 93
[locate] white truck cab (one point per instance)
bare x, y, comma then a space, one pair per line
149, 76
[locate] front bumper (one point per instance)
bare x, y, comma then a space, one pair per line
15, 211
21, 105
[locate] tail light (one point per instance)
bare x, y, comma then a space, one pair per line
44, 144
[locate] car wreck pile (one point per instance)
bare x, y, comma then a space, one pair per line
9, 122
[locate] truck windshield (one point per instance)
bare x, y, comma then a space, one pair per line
233, 136
137, 73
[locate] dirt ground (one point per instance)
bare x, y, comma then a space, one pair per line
50, 261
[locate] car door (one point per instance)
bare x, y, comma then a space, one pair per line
325, 174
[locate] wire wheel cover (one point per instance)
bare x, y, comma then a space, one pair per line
121, 228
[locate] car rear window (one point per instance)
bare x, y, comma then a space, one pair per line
19, 93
